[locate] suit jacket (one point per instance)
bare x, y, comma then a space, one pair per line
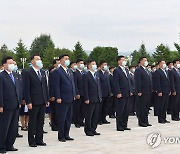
51, 84
174, 81
143, 81
132, 82
112, 84
122, 82
10, 93
64, 87
92, 88
78, 80
162, 82
105, 84
35, 90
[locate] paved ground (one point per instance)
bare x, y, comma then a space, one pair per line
110, 141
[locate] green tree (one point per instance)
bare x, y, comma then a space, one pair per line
162, 53
108, 54
21, 52
177, 46
4, 51
79, 53
40, 44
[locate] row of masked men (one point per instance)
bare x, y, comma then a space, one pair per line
86, 92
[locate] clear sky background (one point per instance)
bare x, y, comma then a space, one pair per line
119, 23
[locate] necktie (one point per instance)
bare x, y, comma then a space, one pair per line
39, 75
12, 77
125, 71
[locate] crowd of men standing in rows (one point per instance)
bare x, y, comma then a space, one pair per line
85, 96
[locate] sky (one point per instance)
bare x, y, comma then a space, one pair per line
124, 24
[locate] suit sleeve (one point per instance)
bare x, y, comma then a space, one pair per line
85, 87
56, 84
137, 78
46, 86
76, 83
171, 79
27, 88
51, 91
157, 83
1, 92
117, 89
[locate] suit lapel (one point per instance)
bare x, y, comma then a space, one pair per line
34, 73
123, 72
9, 78
65, 73
91, 76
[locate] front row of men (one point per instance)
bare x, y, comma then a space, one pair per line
89, 94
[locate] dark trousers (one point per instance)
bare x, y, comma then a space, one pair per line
8, 128
131, 105
122, 112
91, 117
162, 107
169, 105
79, 106
143, 108
155, 103
53, 106
112, 106
64, 113
36, 123
103, 109
175, 100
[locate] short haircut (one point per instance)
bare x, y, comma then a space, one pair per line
62, 56
55, 61
79, 60
152, 66
90, 61
131, 67
174, 61
141, 58
5, 59
160, 61
102, 62
119, 57
36, 54
111, 67
168, 63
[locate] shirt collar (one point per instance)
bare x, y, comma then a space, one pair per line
123, 68
35, 69
92, 72
143, 67
8, 72
65, 69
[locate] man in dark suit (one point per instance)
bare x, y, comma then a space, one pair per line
92, 97
36, 97
143, 86
163, 91
106, 91
112, 98
79, 102
53, 107
132, 98
174, 77
122, 92
64, 90
10, 99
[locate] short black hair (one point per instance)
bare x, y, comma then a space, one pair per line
72, 63
36, 54
55, 61
119, 57
152, 66
168, 63
102, 62
111, 67
62, 56
5, 59
160, 61
79, 60
131, 66
90, 61
174, 61
141, 58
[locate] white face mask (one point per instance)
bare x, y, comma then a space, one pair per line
164, 66
39, 64
172, 67
178, 65
133, 70
81, 66
11, 67
94, 67
149, 69
124, 63
15, 68
105, 67
146, 63
75, 67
